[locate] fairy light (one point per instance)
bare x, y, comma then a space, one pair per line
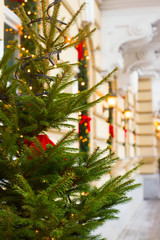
25, 1
23, 49
21, 136
29, 37
29, 12
87, 58
30, 87
25, 36
83, 83
55, 66
29, 70
68, 39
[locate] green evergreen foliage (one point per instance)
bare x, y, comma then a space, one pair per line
48, 195
83, 68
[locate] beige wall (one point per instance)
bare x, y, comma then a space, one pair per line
1, 19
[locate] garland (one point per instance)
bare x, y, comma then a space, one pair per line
110, 121
84, 124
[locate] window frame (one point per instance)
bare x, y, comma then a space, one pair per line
12, 20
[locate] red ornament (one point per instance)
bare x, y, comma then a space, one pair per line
79, 48
111, 130
44, 140
86, 119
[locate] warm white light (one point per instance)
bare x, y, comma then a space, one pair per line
30, 87
29, 12
25, 36
68, 39
112, 100
82, 83
158, 128
127, 114
87, 57
28, 70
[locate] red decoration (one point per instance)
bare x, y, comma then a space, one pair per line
125, 132
44, 140
79, 48
86, 119
111, 130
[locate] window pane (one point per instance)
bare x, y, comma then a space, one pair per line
9, 35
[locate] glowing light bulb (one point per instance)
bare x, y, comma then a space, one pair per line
112, 100
29, 37
23, 49
29, 12
29, 70
68, 39
127, 114
25, 36
25, 0
30, 87
87, 58
82, 83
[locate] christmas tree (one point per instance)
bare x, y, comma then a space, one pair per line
46, 188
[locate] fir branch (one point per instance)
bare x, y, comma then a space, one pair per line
43, 7
87, 93
53, 25
56, 86
62, 33
30, 29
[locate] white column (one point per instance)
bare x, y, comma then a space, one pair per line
90, 11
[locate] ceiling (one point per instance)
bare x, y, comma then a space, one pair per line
121, 4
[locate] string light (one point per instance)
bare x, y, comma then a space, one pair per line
29, 37
29, 12
23, 49
68, 39
21, 136
25, 1
87, 58
29, 70
83, 83
30, 87
25, 36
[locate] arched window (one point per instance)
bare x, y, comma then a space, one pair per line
12, 23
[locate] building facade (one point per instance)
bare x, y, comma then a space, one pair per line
127, 36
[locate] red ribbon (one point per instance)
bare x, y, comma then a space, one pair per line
111, 130
86, 119
79, 48
44, 140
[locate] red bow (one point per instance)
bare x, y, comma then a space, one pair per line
86, 119
111, 130
79, 48
125, 132
44, 140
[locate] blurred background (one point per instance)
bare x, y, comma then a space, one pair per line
127, 37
